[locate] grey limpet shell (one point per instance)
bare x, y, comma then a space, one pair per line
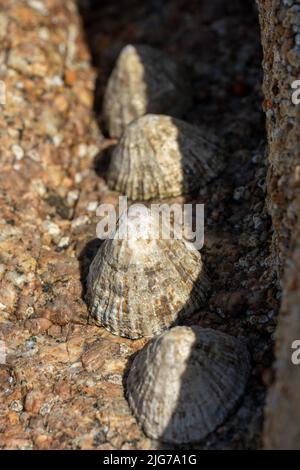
143, 80
140, 287
159, 157
183, 384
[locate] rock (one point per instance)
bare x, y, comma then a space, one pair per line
48, 136
279, 20
98, 353
33, 401
37, 325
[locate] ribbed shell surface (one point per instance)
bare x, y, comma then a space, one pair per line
185, 383
143, 80
141, 287
159, 157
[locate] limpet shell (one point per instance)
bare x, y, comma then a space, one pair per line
185, 382
144, 80
139, 287
160, 156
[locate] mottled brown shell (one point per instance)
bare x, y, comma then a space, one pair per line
184, 383
141, 287
159, 157
143, 81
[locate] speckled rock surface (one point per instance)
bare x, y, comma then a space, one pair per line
60, 375
60, 378
280, 24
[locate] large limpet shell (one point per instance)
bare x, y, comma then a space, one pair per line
160, 156
140, 287
143, 81
185, 383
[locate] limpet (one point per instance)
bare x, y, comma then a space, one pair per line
159, 156
184, 383
141, 286
144, 80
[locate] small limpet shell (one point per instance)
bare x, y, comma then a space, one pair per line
143, 81
139, 287
160, 156
185, 383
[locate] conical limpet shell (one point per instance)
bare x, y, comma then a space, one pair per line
143, 81
159, 156
140, 287
184, 383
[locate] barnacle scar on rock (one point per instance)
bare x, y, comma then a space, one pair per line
185, 382
160, 156
143, 81
141, 285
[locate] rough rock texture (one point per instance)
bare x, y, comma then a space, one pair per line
60, 377
280, 25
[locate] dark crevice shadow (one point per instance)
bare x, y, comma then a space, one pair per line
215, 105
85, 259
232, 422
95, 22
102, 160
